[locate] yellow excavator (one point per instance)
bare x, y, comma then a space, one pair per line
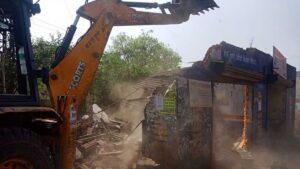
33, 136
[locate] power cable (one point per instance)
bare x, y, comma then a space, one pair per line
45, 27
68, 9
48, 23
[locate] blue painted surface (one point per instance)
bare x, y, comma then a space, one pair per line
250, 59
291, 72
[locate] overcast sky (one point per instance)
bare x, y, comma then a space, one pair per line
263, 23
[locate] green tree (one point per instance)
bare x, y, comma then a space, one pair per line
129, 59
126, 59
143, 55
44, 54
44, 50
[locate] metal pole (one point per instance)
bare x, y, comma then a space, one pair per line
246, 118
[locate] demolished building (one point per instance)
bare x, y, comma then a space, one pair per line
232, 92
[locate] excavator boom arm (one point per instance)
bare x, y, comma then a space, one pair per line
74, 74
126, 16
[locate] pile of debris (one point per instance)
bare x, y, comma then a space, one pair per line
105, 143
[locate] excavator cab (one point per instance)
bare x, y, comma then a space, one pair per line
17, 81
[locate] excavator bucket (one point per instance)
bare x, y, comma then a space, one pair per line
196, 6
193, 6
178, 7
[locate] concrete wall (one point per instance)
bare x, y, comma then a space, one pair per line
180, 139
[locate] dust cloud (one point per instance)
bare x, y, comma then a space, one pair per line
224, 137
130, 108
270, 150
131, 102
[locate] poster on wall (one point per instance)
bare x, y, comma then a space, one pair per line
200, 94
279, 63
159, 102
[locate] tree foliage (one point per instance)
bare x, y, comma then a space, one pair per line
126, 59
129, 59
141, 56
44, 54
44, 50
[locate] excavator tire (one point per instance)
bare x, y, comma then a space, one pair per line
23, 149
